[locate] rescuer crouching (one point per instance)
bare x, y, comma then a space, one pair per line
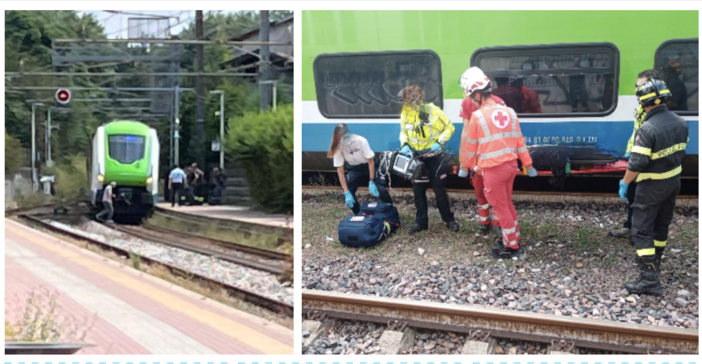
495, 134
655, 164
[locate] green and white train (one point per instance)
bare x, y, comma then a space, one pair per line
582, 64
125, 152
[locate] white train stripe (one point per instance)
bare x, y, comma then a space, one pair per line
623, 113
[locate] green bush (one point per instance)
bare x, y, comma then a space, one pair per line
263, 144
71, 179
13, 155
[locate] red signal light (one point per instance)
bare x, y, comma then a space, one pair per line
63, 96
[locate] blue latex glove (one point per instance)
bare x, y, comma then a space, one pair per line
623, 187
627, 155
373, 189
349, 199
462, 173
435, 147
406, 150
532, 172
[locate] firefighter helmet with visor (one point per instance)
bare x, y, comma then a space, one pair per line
652, 92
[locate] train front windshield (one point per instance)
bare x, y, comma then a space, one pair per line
126, 149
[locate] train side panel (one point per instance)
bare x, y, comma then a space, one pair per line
97, 165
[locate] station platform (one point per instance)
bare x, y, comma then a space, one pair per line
126, 311
235, 213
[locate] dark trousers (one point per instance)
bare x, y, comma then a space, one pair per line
176, 192
631, 195
437, 169
107, 210
653, 212
356, 175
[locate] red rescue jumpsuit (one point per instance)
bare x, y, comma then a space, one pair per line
495, 134
467, 109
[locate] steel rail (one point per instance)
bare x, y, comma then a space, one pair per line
263, 253
270, 268
515, 192
240, 293
586, 333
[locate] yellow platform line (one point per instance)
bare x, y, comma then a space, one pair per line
231, 328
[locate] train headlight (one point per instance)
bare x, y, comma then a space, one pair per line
100, 178
149, 180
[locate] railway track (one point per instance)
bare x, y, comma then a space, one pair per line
198, 244
246, 249
243, 294
540, 196
533, 327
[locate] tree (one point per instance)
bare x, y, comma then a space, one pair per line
13, 155
28, 42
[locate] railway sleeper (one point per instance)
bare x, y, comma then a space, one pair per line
394, 342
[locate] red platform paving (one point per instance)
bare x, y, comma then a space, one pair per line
130, 311
241, 214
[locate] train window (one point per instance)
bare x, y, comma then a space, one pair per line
126, 149
368, 84
677, 61
555, 79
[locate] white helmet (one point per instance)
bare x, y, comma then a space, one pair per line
473, 79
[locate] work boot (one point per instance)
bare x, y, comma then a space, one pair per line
648, 282
621, 233
453, 226
416, 228
500, 251
503, 252
484, 229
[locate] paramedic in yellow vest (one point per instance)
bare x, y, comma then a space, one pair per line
425, 128
639, 115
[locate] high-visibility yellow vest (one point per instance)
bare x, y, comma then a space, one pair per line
438, 128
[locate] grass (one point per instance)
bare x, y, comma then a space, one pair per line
215, 231
568, 241
33, 199
43, 321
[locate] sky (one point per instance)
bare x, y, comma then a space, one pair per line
117, 25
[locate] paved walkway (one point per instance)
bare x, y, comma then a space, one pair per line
243, 214
130, 312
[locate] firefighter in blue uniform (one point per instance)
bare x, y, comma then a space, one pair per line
655, 164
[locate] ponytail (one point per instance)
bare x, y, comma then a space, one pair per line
339, 133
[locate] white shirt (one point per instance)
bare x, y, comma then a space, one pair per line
177, 175
354, 149
107, 194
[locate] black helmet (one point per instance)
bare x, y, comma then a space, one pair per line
652, 92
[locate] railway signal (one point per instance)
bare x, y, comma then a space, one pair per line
63, 96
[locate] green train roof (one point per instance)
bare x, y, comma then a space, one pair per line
126, 127
455, 35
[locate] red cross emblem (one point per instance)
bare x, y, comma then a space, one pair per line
500, 118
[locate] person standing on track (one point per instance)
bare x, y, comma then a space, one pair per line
175, 184
425, 128
108, 208
494, 132
656, 164
639, 115
476, 176
354, 150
